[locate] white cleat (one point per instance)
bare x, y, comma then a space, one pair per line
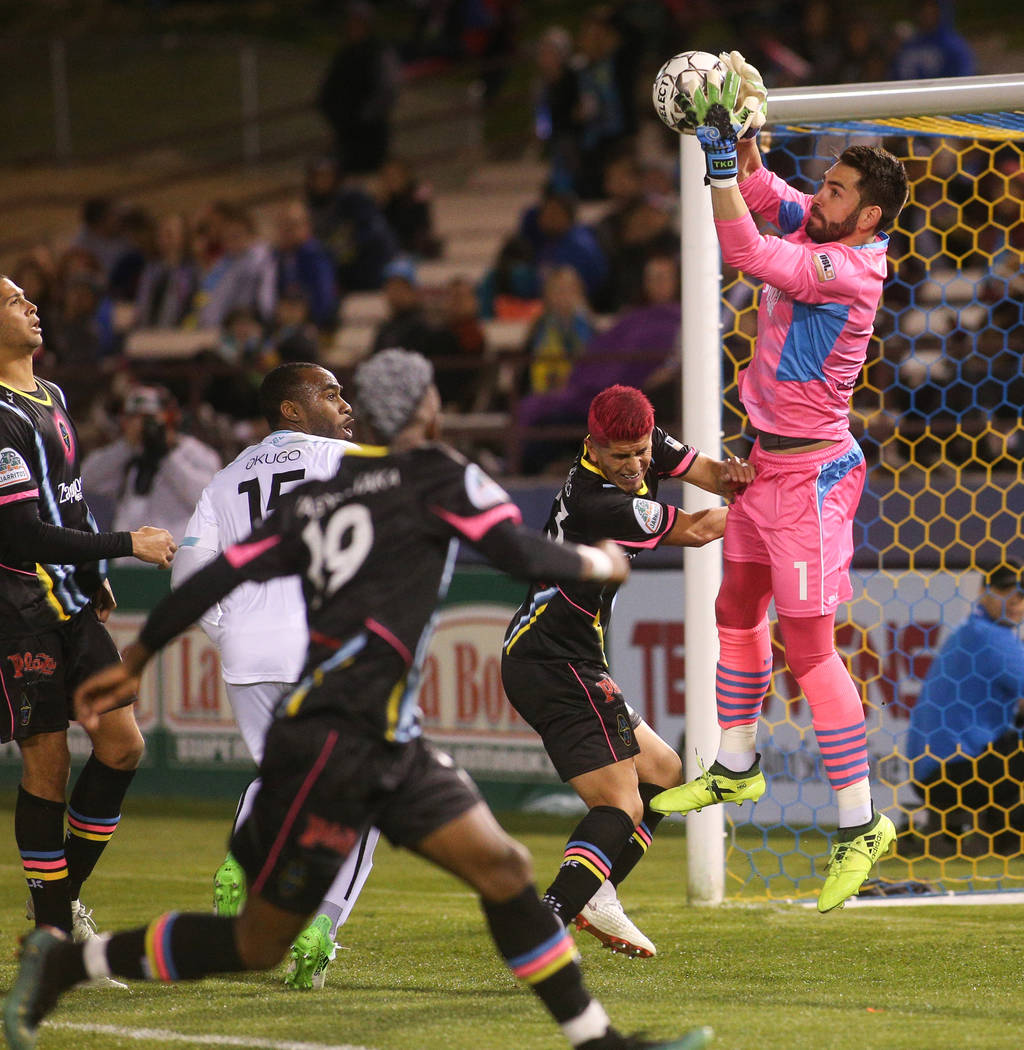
604, 917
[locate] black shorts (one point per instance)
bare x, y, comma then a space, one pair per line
40, 672
576, 708
322, 785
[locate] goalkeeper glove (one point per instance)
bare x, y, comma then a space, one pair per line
751, 109
717, 136
716, 90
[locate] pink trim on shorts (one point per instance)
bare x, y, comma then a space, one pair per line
293, 810
600, 720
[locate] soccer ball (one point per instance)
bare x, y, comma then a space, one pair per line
676, 82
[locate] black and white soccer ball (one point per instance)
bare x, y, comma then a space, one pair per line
676, 82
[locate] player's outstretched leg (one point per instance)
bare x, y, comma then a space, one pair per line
605, 918
852, 857
35, 990
714, 785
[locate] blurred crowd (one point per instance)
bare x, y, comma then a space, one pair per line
589, 273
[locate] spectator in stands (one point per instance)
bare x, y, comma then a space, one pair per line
242, 358
35, 273
605, 98
511, 290
641, 344
304, 268
101, 233
936, 49
244, 277
647, 230
293, 336
152, 469
81, 331
349, 224
558, 337
466, 380
138, 228
406, 203
557, 239
623, 188
168, 282
358, 93
964, 743
555, 108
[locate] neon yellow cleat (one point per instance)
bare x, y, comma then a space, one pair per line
228, 888
850, 862
312, 951
714, 785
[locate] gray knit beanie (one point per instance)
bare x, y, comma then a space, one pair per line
389, 387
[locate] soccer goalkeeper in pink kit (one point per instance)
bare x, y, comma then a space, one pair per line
790, 533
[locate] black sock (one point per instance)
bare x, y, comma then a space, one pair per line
93, 812
592, 849
39, 832
632, 853
176, 947
540, 951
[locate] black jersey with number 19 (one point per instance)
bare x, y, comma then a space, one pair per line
569, 621
39, 461
374, 548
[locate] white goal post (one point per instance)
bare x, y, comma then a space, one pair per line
702, 387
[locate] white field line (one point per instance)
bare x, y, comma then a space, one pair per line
163, 1035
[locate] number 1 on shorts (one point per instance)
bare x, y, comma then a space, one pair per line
801, 572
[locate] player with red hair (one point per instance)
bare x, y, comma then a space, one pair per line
554, 667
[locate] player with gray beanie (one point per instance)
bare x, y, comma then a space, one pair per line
389, 389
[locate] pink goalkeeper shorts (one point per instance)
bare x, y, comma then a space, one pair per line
797, 516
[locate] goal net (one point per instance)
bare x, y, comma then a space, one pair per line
938, 414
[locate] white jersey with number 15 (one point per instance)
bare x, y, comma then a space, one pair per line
260, 628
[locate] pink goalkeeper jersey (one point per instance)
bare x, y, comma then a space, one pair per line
814, 318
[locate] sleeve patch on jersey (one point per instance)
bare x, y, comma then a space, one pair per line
649, 515
672, 443
483, 491
825, 267
13, 469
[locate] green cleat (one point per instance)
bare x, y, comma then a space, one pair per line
714, 785
312, 951
228, 888
35, 991
694, 1039
850, 862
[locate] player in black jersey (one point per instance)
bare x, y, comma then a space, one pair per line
54, 599
374, 547
554, 668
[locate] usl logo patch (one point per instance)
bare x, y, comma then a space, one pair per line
825, 267
648, 515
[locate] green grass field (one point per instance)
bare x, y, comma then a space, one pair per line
419, 973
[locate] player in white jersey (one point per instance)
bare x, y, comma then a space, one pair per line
260, 628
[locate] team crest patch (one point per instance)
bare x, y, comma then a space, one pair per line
825, 267
13, 469
648, 515
483, 491
64, 429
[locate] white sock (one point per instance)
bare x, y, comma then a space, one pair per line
94, 956
737, 749
604, 893
591, 1024
854, 803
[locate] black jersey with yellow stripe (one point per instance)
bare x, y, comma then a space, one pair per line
569, 621
39, 461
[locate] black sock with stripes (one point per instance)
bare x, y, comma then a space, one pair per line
39, 832
539, 951
590, 854
633, 852
94, 810
176, 947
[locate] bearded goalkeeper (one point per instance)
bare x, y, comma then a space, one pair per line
789, 534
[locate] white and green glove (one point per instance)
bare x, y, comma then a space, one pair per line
750, 103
